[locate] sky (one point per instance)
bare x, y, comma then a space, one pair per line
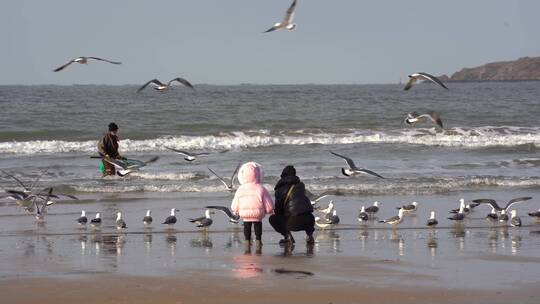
221, 41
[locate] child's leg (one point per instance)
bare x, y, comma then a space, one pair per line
247, 230
258, 230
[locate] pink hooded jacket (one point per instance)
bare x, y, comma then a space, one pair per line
251, 201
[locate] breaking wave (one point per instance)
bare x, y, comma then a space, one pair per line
481, 137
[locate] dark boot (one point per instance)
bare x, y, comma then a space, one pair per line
247, 247
258, 246
310, 239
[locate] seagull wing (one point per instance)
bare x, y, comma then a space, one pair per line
273, 28
411, 83
349, 161
117, 163
196, 220
58, 69
369, 172
101, 59
34, 183
434, 117
219, 177
433, 79
289, 15
235, 172
151, 160
16, 179
179, 151
182, 81
491, 202
154, 81
515, 201
225, 210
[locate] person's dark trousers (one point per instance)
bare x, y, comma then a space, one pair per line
303, 222
258, 230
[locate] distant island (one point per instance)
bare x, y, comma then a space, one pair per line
525, 68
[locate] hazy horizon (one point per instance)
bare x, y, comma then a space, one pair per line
220, 43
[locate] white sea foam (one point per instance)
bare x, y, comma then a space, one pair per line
455, 137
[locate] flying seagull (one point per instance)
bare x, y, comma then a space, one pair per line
205, 221
147, 219
159, 86
432, 222
127, 166
228, 185
187, 155
494, 204
287, 22
353, 169
315, 198
171, 219
83, 60
414, 117
413, 78
233, 218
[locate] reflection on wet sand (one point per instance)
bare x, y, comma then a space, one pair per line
204, 241
325, 237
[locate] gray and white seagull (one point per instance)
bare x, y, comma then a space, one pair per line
415, 77
287, 23
159, 86
353, 169
228, 184
187, 155
233, 218
494, 204
414, 117
205, 221
82, 60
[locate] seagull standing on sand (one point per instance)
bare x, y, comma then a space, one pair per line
159, 86
363, 215
432, 222
120, 224
96, 221
353, 169
205, 221
414, 117
187, 156
287, 22
147, 219
233, 218
82, 220
535, 214
413, 78
493, 216
328, 220
394, 220
228, 185
171, 219
373, 208
409, 208
82, 60
458, 217
466, 208
503, 217
515, 221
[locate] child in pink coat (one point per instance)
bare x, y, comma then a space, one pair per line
252, 201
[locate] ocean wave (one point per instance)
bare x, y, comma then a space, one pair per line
399, 186
167, 176
481, 137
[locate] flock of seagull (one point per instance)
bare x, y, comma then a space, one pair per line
38, 201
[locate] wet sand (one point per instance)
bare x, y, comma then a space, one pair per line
254, 286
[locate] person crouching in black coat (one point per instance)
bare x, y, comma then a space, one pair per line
293, 210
